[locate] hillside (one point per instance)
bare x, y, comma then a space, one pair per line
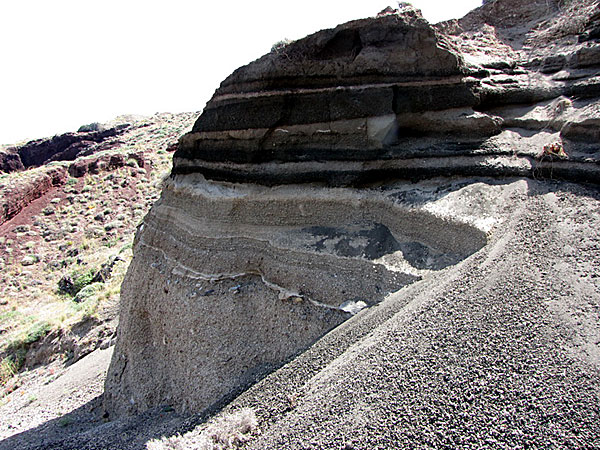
382, 235
66, 228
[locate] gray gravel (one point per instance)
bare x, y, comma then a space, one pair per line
499, 351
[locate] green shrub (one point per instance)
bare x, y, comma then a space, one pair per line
88, 292
81, 280
75, 282
10, 365
37, 331
8, 369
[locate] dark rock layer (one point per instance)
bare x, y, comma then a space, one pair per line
394, 91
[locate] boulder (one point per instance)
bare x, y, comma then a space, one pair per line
10, 161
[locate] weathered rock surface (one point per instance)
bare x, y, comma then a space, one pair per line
63, 147
19, 194
10, 160
394, 97
105, 161
52, 160
291, 204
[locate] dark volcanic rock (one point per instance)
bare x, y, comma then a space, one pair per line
355, 53
352, 71
10, 161
410, 99
65, 147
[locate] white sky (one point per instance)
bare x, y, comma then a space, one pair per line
64, 63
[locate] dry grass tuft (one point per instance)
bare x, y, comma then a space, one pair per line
226, 432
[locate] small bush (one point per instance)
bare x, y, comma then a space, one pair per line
226, 432
81, 280
132, 162
88, 292
37, 331
8, 369
75, 282
280, 45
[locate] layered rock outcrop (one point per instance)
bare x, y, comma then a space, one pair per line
52, 160
63, 147
290, 205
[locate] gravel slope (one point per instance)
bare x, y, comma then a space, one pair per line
500, 351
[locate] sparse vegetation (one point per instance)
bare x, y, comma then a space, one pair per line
16, 350
280, 45
65, 421
64, 241
76, 281
226, 432
8, 368
88, 292
37, 331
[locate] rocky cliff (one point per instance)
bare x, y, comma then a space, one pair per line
293, 205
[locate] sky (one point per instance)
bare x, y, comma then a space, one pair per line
65, 63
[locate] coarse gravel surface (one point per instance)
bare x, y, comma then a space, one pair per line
499, 351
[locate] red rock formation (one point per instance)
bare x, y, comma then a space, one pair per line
30, 187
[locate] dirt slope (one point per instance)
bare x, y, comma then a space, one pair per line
499, 350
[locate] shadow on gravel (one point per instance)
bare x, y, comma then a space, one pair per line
85, 429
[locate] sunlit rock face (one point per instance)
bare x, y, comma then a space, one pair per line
309, 189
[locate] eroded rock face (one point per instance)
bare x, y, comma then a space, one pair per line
17, 196
288, 209
64, 147
10, 160
229, 282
